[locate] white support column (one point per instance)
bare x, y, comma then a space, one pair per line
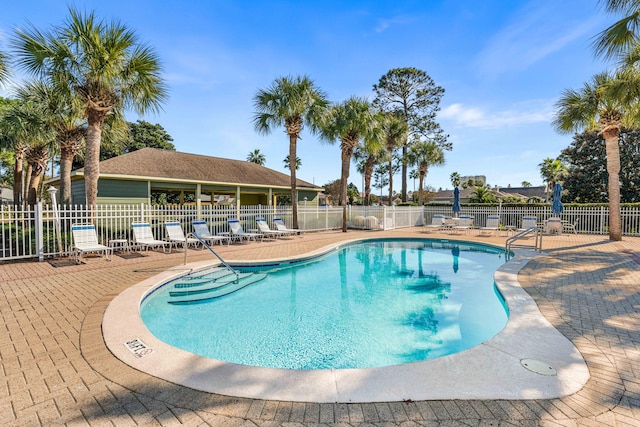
238, 202
199, 200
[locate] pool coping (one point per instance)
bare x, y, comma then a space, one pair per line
491, 370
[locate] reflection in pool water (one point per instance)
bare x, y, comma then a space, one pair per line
368, 304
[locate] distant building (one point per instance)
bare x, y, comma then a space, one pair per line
524, 193
131, 179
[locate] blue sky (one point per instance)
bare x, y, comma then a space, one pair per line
503, 64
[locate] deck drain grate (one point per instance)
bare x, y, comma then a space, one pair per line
538, 366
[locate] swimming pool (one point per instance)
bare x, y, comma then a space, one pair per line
369, 304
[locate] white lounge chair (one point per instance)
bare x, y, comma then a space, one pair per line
85, 239
280, 225
176, 235
571, 227
528, 222
237, 233
493, 225
437, 223
264, 229
143, 237
465, 223
202, 231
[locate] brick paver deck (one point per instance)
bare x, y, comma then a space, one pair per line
56, 370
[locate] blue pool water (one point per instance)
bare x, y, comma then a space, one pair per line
369, 304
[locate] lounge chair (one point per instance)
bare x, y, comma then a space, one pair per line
465, 223
493, 225
280, 225
437, 223
237, 233
571, 227
528, 222
176, 235
264, 229
85, 239
143, 237
202, 231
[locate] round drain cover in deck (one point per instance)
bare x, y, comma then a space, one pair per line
538, 366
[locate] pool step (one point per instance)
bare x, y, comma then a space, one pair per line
219, 289
212, 285
188, 282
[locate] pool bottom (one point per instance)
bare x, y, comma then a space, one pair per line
492, 370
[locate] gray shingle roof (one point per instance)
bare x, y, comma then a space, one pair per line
163, 164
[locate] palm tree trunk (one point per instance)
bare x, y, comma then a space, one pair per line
25, 180
613, 168
420, 184
95, 120
293, 140
18, 170
368, 171
347, 152
34, 182
66, 160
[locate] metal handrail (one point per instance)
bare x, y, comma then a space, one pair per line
206, 245
523, 233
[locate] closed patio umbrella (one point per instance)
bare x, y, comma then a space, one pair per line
557, 208
456, 201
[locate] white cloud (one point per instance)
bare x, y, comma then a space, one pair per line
384, 24
523, 113
534, 33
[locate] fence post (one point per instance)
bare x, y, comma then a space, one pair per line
326, 217
39, 231
601, 219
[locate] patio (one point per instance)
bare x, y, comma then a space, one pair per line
56, 368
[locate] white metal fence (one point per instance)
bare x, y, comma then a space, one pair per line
44, 231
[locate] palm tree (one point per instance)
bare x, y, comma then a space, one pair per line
351, 122
396, 131
256, 157
622, 37
287, 163
455, 179
482, 195
23, 127
599, 106
100, 62
367, 156
4, 70
424, 154
552, 171
65, 116
292, 102
414, 174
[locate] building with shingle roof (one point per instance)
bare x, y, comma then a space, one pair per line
133, 177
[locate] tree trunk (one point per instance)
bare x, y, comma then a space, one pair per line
613, 168
404, 173
420, 184
66, 160
25, 180
18, 170
34, 182
390, 179
368, 171
293, 140
347, 151
95, 121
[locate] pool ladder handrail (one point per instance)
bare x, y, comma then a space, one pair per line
527, 231
206, 245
